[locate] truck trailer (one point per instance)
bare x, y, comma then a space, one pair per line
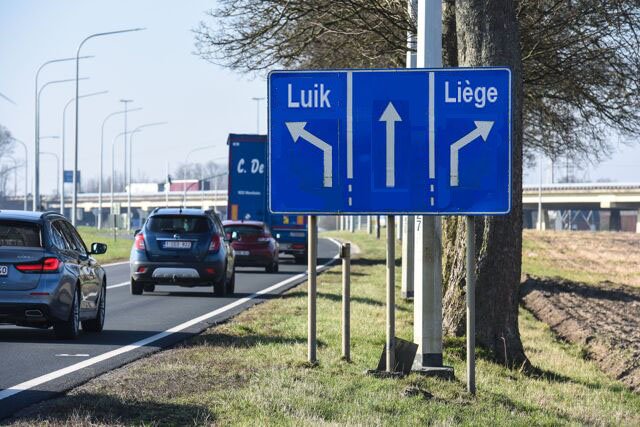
248, 194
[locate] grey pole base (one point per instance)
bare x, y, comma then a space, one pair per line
407, 295
430, 365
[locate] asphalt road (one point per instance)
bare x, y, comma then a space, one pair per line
36, 366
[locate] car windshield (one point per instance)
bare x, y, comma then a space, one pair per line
20, 234
178, 224
244, 230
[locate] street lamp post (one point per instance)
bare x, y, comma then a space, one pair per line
64, 139
5, 97
26, 171
124, 135
36, 183
113, 171
74, 212
36, 187
138, 129
104, 122
15, 174
258, 100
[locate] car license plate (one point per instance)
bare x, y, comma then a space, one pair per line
4, 270
243, 253
176, 244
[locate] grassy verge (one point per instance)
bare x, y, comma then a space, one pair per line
118, 249
252, 370
582, 256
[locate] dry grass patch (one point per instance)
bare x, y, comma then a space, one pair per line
583, 256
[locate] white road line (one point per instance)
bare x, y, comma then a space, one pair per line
118, 285
73, 355
136, 345
113, 264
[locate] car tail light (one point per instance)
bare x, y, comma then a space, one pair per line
297, 246
210, 271
47, 265
139, 242
264, 238
214, 246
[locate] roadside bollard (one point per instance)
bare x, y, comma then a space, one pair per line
345, 254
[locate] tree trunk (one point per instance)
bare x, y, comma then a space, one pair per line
487, 34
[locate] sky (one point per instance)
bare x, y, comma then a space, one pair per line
157, 69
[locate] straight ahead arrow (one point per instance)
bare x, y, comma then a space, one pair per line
482, 130
297, 131
391, 116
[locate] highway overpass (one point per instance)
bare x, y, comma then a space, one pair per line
614, 206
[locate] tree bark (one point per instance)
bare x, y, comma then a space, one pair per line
488, 34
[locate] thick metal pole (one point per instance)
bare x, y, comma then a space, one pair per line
369, 224
408, 242
407, 222
346, 301
471, 306
311, 326
391, 300
378, 227
428, 268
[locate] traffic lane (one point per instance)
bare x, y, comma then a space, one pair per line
130, 319
27, 351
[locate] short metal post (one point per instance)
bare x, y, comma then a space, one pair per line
369, 224
313, 248
378, 227
346, 301
391, 301
352, 224
471, 306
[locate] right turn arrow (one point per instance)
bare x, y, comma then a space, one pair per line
482, 130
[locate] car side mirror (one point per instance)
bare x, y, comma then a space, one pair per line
98, 248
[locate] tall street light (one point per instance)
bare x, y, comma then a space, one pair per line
138, 129
74, 212
37, 118
36, 182
125, 133
26, 170
64, 141
57, 158
113, 170
104, 122
258, 100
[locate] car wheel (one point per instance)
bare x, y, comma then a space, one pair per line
231, 284
97, 324
220, 288
276, 266
70, 329
150, 287
135, 287
301, 259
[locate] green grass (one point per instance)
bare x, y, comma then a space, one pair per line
117, 250
252, 371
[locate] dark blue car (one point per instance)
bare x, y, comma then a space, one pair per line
48, 277
182, 247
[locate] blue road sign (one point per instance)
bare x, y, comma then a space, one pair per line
68, 177
414, 141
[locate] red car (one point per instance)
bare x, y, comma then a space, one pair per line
253, 244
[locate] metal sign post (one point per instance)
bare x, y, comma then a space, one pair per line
471, 306
312, 274
346, 301
391, 299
